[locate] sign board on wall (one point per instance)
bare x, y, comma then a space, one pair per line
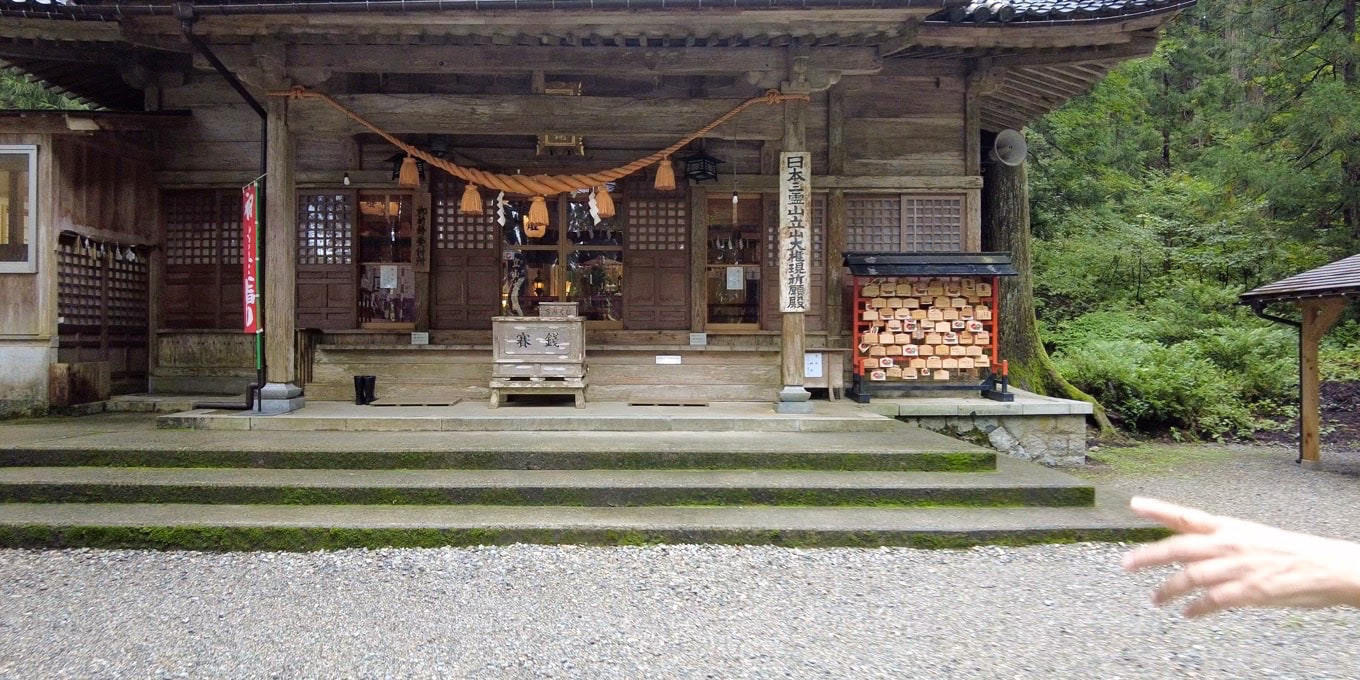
795, 221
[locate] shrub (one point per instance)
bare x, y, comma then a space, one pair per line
1158, 388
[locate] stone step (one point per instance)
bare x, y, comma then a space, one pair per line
316, 527
118, 443
478, 416
1013, 483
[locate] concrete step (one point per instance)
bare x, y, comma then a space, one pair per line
1013, 483
315, 527
118, 443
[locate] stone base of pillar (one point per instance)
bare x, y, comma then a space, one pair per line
277, 398
794, 399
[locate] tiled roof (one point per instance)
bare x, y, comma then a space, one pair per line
1011, 11
1340, 278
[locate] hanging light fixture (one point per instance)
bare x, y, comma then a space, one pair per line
603, 203
665, 176
702, 167
471, 204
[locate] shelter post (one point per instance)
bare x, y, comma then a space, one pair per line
1318, 318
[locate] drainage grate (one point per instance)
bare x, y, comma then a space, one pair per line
668, 403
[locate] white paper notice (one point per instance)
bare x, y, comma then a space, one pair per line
387, 277
812, 365
736, 278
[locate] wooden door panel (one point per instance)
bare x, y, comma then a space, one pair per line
466, 288
327, 297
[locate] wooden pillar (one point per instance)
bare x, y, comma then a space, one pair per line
1318, 317
280, 238
698, 257
793, 398
836, 318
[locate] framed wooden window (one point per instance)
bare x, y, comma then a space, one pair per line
18, 208
892, 223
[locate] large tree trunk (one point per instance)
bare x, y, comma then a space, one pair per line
1005, 227
1350, 157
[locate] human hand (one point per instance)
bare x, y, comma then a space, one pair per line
1234, 563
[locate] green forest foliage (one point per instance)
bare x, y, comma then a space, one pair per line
18, 92
1229, 159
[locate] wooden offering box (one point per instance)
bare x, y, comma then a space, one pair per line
538, 355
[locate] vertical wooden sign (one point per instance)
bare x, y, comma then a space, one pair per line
795, 219
249, 255
420, 232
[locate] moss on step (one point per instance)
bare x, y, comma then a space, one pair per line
585, 496
941, 461
225, 539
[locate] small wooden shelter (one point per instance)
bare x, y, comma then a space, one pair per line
127, 253
1321, 295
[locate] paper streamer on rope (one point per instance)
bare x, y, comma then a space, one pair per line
500, 208
594, 208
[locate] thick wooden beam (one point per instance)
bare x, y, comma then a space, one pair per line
537, 114
494, 60
85, 122
1318, 318
1094, 33
1138, 45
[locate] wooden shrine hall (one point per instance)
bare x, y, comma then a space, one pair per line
685, 176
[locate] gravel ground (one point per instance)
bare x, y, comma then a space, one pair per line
684, 611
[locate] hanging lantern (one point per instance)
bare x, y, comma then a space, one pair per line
410, 173
603, 202
472, 201
536, 223
702, 167
665, 176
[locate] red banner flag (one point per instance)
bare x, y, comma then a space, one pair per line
249, 253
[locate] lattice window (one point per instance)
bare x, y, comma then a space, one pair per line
461, 232
127, 296
873, 224
191, 229
229, 228
464, 232
325, 224
933, 223
657, 224
96, 290
78, 279
816, 234
903, 223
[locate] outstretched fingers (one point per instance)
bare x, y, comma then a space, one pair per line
1182, 548
1177, 517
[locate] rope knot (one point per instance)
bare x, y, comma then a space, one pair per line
773, 96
